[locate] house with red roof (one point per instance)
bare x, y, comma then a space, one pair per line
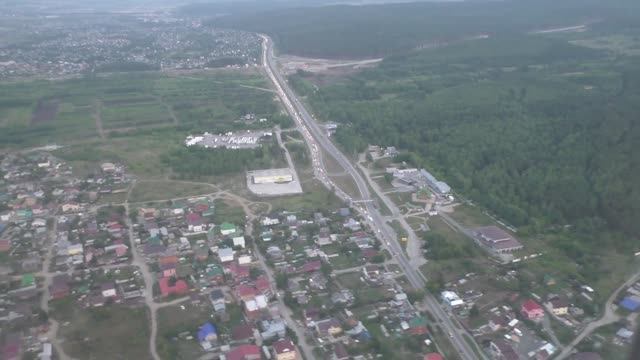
244, 352
245, 292
195, 222
284, 349
264, 286
311, 266
237, 272
340, 352
242, 333
5, 245
59, 287
532, 310
169, 287
433, 356
168, 265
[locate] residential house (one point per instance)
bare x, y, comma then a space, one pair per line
218, 301
108, 290
263, 286
59, 287
215, 274
242, 333
625, 335
225, 255
373, 274
227, 228
352, 225
433, 356
284, 349
311, 266
558, 306
451, 299
324, 237
239, 241
274, 328
170, 286
532, 311
502, 350
328, 328
201, 253
340, 352
267, 221
244, 352
244, 292
168, 265
195, 222
207, 334
238, 272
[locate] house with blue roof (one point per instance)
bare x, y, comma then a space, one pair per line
630, 303
207, 334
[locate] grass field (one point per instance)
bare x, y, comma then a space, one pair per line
471, 216
228, 212
160, 190
112, 332
173, 320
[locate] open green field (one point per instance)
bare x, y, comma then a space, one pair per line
112, 332
134, 115
471, 216
229, 212
161, 190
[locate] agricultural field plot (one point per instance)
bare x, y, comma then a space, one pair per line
70, 111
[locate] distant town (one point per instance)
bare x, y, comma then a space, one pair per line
116, 43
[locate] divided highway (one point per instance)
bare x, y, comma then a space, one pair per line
318, 141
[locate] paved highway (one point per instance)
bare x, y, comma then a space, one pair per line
318, 141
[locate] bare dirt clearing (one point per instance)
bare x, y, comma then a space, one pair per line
291, 64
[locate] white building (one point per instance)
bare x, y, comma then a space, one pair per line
225, 254
452, 299
239, 241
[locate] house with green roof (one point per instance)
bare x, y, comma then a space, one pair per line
227, 228
28, 280
215, 274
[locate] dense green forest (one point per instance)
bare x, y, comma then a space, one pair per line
542, 132
344, 31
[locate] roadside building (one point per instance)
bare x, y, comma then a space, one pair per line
451, 299
496, 239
